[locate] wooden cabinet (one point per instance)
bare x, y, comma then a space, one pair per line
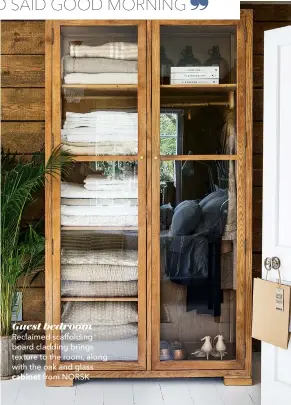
148, 235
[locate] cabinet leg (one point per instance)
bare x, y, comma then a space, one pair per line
237, 381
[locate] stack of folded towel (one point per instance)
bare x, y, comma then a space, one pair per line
101, 133
113, 330
110, 63
101, 201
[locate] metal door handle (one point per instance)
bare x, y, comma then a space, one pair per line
268, 263
276, 263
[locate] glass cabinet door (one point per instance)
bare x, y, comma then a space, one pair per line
99, 202
198, 195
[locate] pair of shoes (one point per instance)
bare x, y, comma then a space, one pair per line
208, 349
175, 351
165, 351
178, 351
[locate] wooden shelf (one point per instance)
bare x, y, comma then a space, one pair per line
121, 158
101, 89
99, 228
98, 299
172, 89
199, 157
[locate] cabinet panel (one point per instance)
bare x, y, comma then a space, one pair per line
99, 205
198, 205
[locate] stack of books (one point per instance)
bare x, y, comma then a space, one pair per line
195, 75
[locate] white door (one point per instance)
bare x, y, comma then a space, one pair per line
276, 363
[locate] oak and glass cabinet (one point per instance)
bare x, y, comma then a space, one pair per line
148, 229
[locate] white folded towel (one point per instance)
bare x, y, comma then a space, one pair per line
101, 78
99, 220
103, 114
95, 138
73, 190
98, 210
96, 202
104, 180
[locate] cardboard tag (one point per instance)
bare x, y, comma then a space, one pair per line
279, 299
271, 312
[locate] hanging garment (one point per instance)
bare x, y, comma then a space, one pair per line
194, 260
228, 142
206, 297
186, 259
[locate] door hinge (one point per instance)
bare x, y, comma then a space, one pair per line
245, 246
245, 351
246, 34
246, 141
53, 249
53, 36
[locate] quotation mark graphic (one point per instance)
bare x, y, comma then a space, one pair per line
197, 3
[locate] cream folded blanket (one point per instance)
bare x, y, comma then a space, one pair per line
99, 272
101, 333
111, 50
101, 78
107, 257
95, 220
95, 202
98, 65
71, 288
74, 190
99, 313
98, 210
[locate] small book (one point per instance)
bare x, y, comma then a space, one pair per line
194, 81
196, 69
195, 75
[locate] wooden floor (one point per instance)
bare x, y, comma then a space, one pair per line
132, 392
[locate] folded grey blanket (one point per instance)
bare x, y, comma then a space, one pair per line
98, 65
116, 257
99, 313
98, 272
113, 332
99, 289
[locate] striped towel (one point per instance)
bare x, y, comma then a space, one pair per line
111, 50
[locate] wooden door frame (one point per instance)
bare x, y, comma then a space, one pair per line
244, 191
53, 196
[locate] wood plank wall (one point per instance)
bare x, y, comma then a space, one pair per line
22, 99
266, 17
22, 129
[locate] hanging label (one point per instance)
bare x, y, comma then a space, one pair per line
279, 299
